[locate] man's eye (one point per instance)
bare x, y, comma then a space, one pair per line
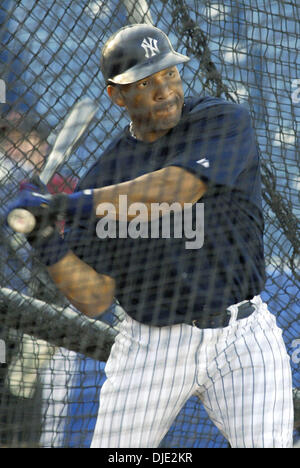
171, 73
143, 84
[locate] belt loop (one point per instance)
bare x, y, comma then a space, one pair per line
256, 301
233, 309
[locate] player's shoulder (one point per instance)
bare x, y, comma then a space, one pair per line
210, 108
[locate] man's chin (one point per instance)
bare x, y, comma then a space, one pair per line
167, 123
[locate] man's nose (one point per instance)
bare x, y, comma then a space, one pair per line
162, 90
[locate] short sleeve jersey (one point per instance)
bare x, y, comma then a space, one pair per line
162, 279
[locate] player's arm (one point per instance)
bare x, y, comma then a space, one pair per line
172, 184
90, 292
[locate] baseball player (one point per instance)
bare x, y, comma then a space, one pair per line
195, 323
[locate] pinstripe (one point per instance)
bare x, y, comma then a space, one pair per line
117, 370
265, 388
134, 366
254, 375
162, 381
131, 347
208, 383
263, 374
275, 386
234, 371
120, 359
186, 385
284, 385
214, 408
243, 392
184, 367
252, 394
233, 391
282, 373
122, 416
141, 390
223, 398
271, 354
153, 370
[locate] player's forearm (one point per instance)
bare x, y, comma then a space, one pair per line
90, 292
169, 185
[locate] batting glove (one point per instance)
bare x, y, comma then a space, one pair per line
28, 199
49, 209
45, 238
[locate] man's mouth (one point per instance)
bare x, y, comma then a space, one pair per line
167, 108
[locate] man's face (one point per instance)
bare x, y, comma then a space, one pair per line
30, 149
154, 104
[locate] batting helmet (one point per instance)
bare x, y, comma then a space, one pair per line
135, 52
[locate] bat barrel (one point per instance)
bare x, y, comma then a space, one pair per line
76, 123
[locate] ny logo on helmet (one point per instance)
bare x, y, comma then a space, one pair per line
150, 46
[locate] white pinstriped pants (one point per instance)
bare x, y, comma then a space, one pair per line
241, 373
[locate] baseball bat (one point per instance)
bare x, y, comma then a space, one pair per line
77, 121
59, 326
138, 11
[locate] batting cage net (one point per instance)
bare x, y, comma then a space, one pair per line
244, 52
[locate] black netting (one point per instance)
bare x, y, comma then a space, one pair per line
51, 357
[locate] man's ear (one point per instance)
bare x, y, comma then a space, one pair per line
115, 95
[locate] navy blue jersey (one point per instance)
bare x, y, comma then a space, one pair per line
159, 280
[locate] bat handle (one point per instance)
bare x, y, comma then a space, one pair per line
24, 220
